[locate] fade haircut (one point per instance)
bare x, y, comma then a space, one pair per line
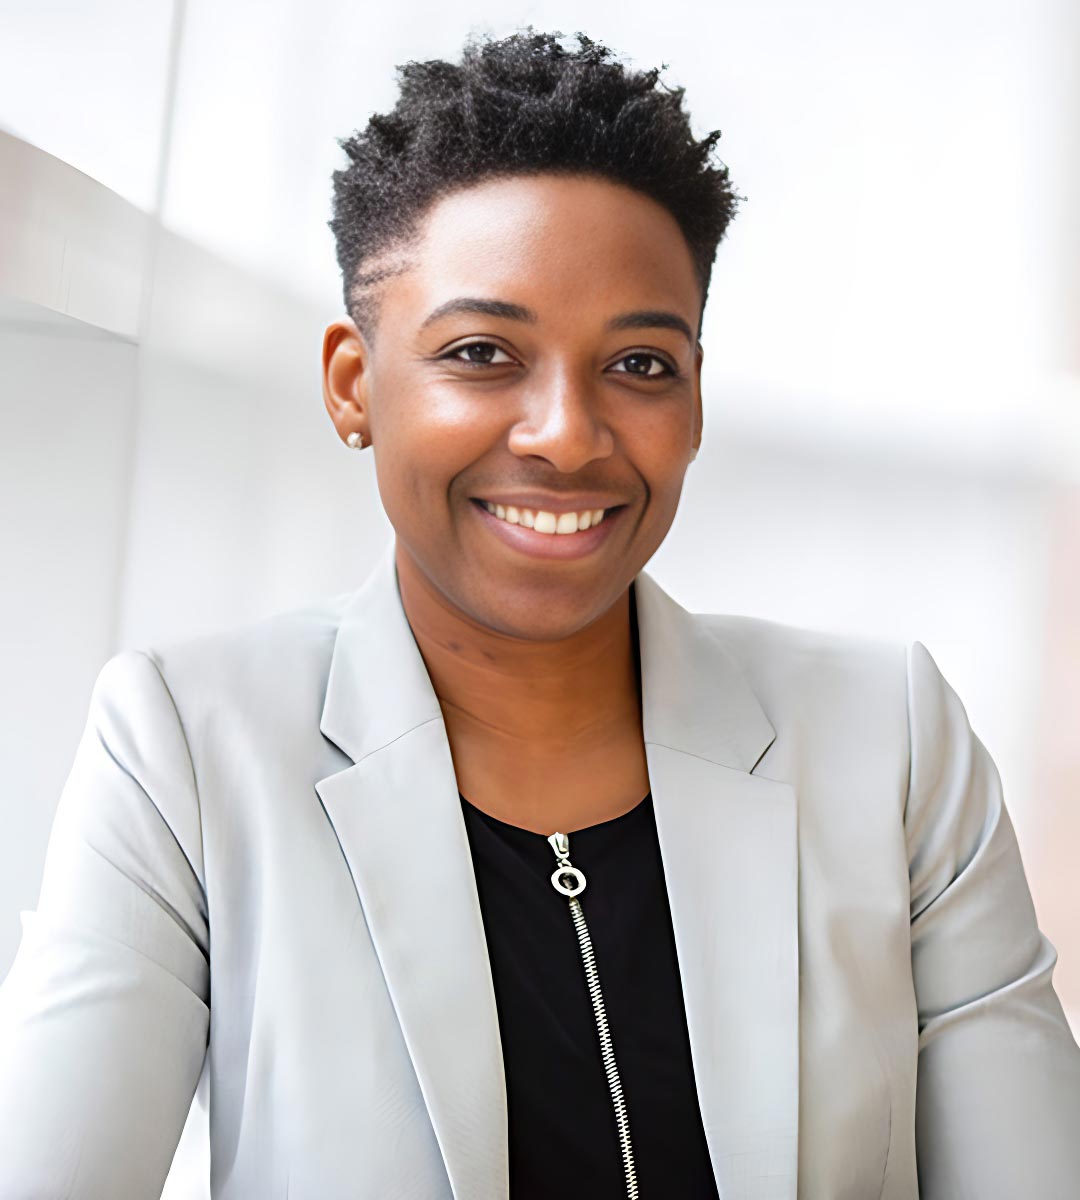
522, 105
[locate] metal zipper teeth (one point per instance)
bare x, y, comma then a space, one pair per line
607, 1051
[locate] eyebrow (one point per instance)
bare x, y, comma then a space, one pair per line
644, 318
652, 318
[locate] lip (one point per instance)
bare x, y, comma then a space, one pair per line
550, 545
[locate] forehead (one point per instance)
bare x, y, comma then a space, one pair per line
543, 240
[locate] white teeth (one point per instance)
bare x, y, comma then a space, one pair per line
546, 522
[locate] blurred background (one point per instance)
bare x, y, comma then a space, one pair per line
892, 351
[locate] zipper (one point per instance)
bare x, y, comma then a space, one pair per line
568, 881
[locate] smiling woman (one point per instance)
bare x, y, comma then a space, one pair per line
505, 876
482, 382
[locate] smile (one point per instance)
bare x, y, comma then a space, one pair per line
550, 535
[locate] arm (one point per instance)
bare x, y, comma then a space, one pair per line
998, 1099
104, 1015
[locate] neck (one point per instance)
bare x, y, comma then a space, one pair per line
551, 696
524, 718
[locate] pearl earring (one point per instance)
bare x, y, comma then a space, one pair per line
355, 441
693, 454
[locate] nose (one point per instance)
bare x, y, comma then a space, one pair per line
563, 423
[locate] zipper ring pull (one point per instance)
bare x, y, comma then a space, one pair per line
560, 843
575, 888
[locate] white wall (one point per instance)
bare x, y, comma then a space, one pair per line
86, 82
67, 399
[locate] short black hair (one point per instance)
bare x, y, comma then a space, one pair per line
524, 104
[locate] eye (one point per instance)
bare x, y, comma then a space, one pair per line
478, 354
640, 363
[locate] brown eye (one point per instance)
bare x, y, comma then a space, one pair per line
479, 354
642, 364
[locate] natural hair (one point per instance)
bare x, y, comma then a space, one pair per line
521, 105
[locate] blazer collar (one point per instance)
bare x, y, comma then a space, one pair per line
728, 845
694, 698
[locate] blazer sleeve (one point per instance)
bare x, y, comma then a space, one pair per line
998, 1094
105, 1012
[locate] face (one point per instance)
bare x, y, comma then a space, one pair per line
539, 351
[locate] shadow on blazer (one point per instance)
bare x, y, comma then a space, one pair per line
259, 883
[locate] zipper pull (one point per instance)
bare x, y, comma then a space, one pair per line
560, 843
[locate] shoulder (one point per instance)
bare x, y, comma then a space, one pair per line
801, 663
272, 665
837, 701
799, 660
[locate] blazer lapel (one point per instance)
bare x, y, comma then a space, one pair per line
397, 816
727, 840
729, 848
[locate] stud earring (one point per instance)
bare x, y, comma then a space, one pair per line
355, 441
693, 453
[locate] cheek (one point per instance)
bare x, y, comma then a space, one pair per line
428, 434
421, 409
659, 449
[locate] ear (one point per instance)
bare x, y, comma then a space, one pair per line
346, 376
695, 440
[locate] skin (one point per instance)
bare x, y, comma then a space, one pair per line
534, 661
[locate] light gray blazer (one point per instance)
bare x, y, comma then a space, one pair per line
259, 870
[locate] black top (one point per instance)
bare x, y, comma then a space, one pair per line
563, 1137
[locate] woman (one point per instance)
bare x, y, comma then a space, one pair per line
505, 876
